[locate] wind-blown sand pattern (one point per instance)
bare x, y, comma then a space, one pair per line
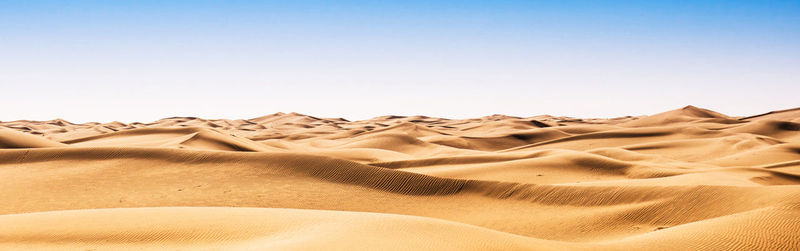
685, 179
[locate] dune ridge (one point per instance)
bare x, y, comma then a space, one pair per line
689, 178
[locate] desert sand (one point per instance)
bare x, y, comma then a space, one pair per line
686, 179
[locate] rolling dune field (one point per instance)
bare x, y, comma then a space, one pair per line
686, 179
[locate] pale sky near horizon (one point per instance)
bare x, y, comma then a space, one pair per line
144, 60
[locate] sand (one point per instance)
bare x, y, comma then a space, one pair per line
684, 179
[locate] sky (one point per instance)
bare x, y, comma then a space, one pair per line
145, 60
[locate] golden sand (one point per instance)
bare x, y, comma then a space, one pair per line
685, 179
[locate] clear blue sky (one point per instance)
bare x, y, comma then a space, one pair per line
144, 60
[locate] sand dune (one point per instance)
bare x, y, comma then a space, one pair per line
792, 115
685, 179
13, 139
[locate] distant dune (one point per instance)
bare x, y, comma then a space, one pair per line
686, 179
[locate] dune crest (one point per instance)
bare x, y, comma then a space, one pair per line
684, 179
